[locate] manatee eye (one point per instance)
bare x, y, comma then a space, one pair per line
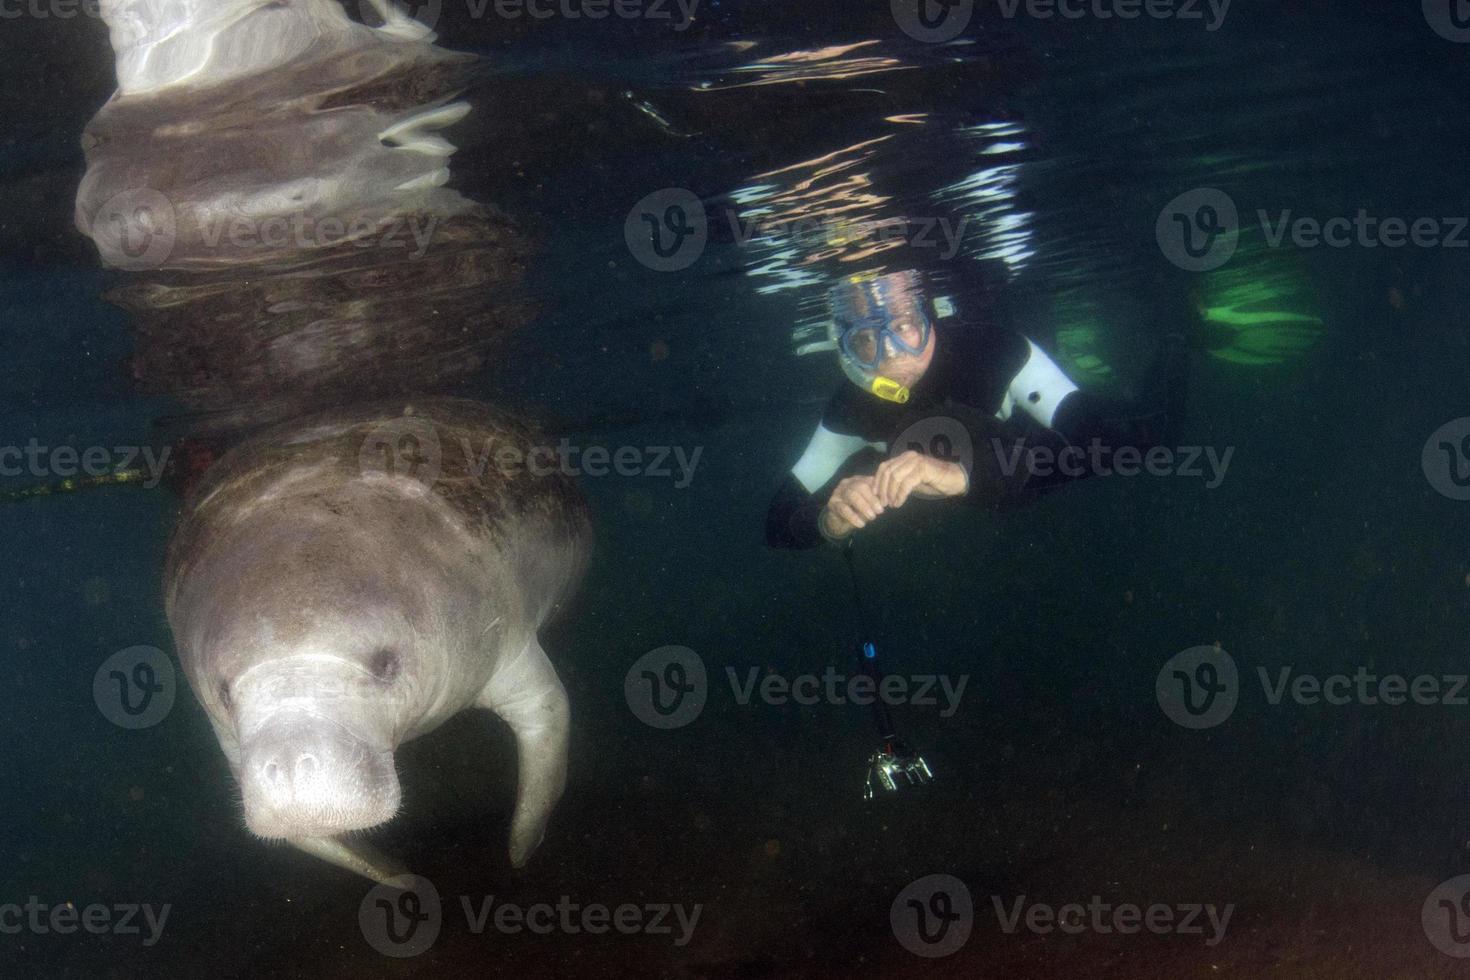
384, 665
224, 694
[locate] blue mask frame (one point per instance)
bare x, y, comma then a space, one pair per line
884, 334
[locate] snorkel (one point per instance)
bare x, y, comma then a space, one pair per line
884, 387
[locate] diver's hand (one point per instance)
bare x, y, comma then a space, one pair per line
853, 504
914, 472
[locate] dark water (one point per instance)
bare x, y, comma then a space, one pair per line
1333, 544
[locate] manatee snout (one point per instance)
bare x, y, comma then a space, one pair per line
305, 776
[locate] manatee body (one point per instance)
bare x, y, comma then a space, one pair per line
340, 585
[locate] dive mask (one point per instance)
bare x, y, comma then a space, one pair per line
874, 317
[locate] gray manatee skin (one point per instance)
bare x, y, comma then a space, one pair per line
342, 584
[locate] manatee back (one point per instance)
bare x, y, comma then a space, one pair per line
489, 473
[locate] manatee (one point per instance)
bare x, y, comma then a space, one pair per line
341, 584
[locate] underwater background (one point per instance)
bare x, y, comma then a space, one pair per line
1335, 543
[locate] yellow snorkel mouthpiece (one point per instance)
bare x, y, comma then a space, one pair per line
889, 390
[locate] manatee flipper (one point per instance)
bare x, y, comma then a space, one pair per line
359, 857
527, 694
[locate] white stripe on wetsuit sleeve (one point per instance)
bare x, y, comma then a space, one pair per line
825, 455
1040, 386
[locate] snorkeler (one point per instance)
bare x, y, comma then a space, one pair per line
999, 385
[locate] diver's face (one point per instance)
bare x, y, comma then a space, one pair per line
900, 365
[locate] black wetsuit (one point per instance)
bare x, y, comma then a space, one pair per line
1006, 393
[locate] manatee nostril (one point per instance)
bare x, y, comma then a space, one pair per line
286, 774
385, 665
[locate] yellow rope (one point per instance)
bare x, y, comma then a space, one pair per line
76, 483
